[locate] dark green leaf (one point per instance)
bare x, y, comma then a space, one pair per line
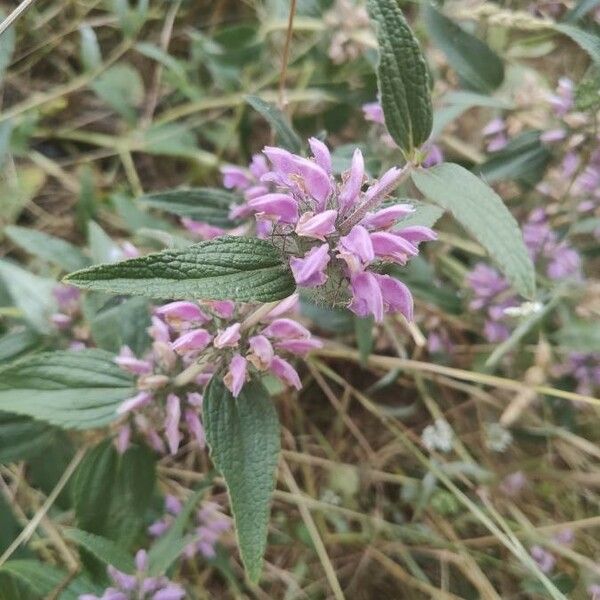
403, 77
473, 60
286, 136
48, 248
108, 551
22, 437
363, 329
586, 40
15, 343
483, 214
227, 268
122, 325
524, 158
243, 435
77, 390
39, 579
210, 205
112, 492
580, 336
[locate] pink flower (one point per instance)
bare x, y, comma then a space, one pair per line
373, 111
299, 346
195, 399
61, 321
261, 352
351, 188
128, 362
235, 177
289, 304
236, 375
192, 341
310, 270
396, 296
202, 230
195, 426
181, 314
275, 207
316, 180
416, 234
172, 423
123, 438
367, 298
321, 153
317, 226
134, 403
229, 337
356, 248
159, 331
392, 246
284, 371
286, 328
386, 217
223, 308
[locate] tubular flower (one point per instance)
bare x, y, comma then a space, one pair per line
167, 410
336, 231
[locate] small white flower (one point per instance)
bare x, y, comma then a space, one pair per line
438, 436
523, 310
497, 438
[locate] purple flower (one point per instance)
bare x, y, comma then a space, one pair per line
310, 270
543, 558
434, 156
180, 314
172, 423
392, 246
299, 346
356, 249
134, 403
396, 296
236, 375
192, 341
284, 371
275, 207
317, 226
286, 328
229, 337
128, 362
386, 217
351, 188
261, 352
235, 177
321, 153
367, 298
373, 111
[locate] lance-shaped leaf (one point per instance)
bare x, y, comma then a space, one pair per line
243, 435
77, 390
227, 268
474, 61
403, 77
210, 205
483, 214
286, 136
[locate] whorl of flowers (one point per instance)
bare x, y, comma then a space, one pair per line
337, 233
139, 586
214, 338
211, 524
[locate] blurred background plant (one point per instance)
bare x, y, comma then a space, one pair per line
444, 458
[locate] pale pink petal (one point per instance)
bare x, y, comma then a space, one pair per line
367, 298
262, 351
356, 248
321, 153
300, 346
286, 328
396, 296
350, 191
310, 270
236, 375
392, 247
283, 370
386, 217
317, 226
229, 337
173, 410
276, 207
194, 340
138, 401
195, 427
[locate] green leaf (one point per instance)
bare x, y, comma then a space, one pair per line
243, 435
227, 268
363, 329
403, 77
39, 579
124, 324
91, 57
524, 158
474, 61
286, 136
579, 336
582, 8
122, 88
483, 214
426, 215
16, 343
112, 492
22, 437
102, 247
48, 247
79, 390
168, 548
586, 40
31, 294
108, 551
210, 205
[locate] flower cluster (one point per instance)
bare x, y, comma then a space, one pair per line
139, 586
67, 318
211, 339
211, 525
336, 233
